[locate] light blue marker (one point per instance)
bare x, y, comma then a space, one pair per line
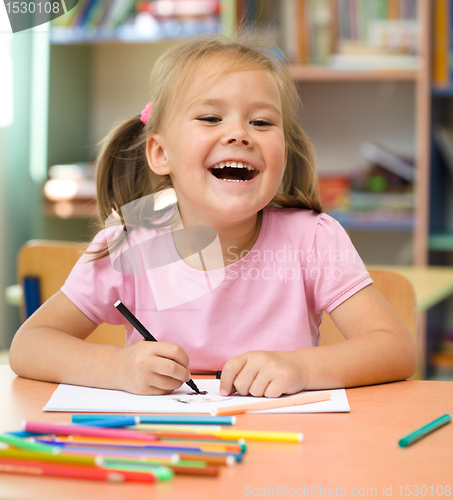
108, 420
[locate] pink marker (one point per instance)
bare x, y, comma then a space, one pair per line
84, 430
298, 399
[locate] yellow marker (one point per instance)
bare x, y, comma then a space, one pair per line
291, 437
49, 457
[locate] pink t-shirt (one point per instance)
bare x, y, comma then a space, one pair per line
272, 299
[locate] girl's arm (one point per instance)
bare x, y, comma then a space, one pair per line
378, 348
50, 346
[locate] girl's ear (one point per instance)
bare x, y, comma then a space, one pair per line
156, 155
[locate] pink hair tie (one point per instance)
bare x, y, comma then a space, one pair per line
146, 113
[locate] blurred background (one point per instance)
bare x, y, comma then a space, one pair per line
374, 78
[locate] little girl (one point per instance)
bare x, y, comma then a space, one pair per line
234, 273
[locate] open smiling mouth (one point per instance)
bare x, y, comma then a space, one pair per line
233, 171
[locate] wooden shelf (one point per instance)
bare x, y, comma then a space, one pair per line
326, 73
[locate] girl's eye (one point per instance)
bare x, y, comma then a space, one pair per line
209, 118
261, 123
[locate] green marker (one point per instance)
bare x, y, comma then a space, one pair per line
161, 472
423, 431
23, 444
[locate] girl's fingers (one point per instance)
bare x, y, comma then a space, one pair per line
246, 369
260, 384
229, 373
275, 389
245, 378
260, 373
171, 351
163, 384
170, 369
153, 368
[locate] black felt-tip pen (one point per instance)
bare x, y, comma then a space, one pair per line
145, 333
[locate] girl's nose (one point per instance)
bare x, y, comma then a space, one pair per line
237, 135
243, 141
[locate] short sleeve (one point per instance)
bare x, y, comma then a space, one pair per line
335, 270
93, 286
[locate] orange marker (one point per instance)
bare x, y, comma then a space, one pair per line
301, 399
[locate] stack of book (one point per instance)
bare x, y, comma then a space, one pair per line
345, 34
135, 20
380, 195
334, 192
442, 43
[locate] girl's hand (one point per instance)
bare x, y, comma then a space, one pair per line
263, 373
152, 368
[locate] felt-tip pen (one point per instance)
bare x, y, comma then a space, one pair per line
424, 431
145, 333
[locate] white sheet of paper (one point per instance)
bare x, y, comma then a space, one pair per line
75, 398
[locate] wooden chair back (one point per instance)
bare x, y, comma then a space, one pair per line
51, 262
396, 289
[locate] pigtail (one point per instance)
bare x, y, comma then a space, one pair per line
122, 174
298, 186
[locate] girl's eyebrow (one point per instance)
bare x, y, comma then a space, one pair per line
253, 104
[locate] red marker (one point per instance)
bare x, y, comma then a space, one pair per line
35, 468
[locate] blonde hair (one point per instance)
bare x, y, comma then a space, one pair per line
123, 174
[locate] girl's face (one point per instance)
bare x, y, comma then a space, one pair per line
224, 148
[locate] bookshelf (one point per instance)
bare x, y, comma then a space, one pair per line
413, 131
440, 240
83, 60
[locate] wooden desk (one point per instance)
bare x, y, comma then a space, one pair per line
344, 450
432, 284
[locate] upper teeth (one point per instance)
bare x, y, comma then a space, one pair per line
233, 164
